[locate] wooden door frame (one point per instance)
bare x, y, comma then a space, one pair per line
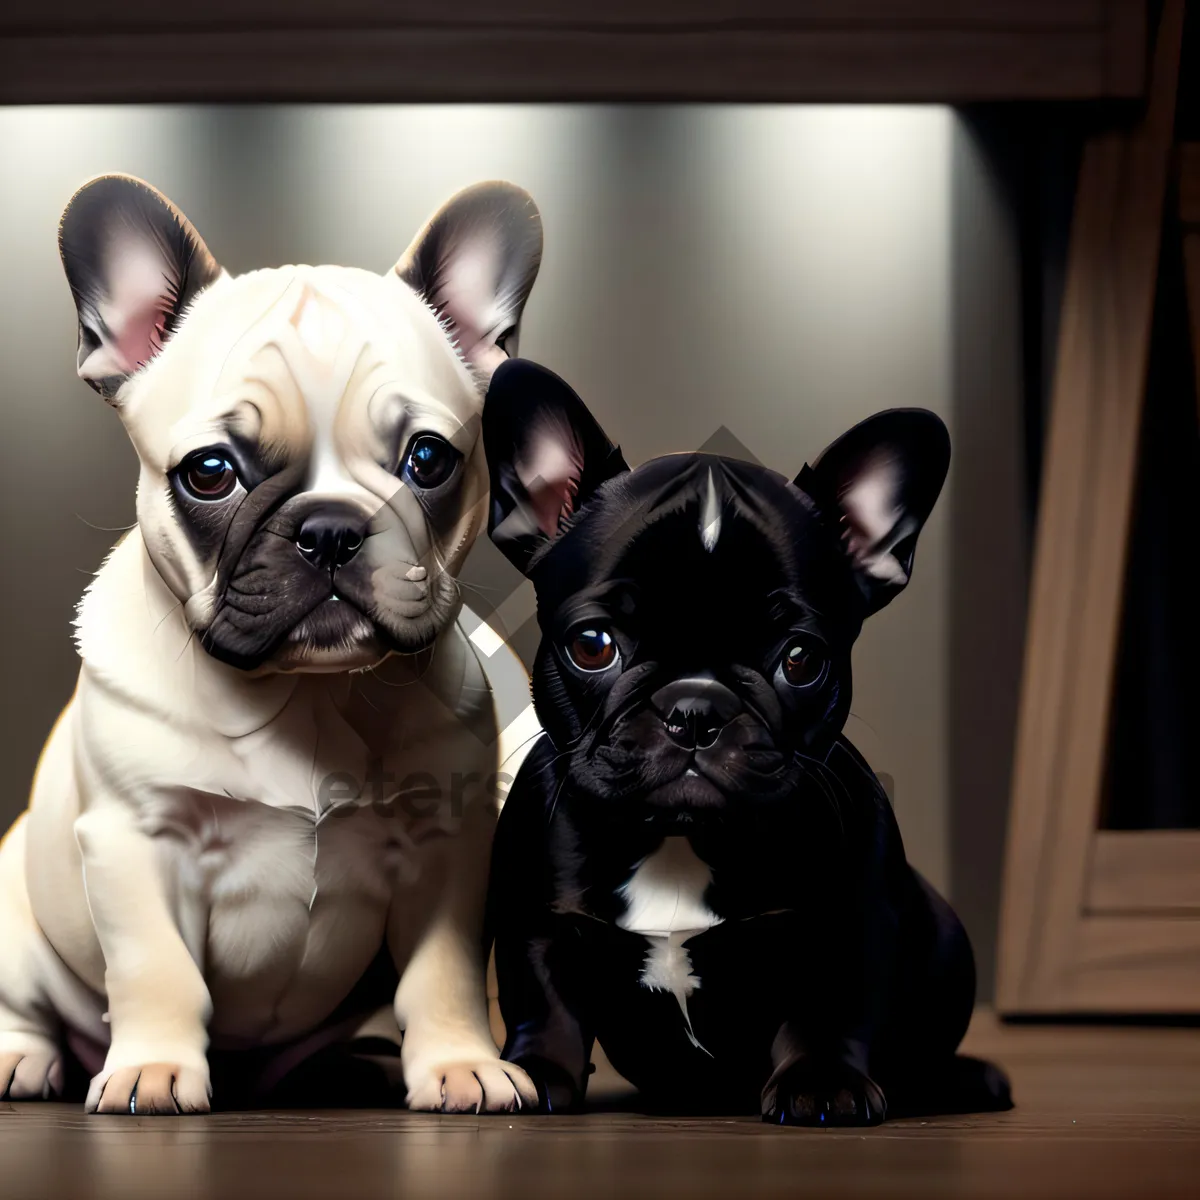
1095, 921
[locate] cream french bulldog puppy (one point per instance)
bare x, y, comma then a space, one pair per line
199, 864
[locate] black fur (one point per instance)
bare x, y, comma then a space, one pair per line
838, 984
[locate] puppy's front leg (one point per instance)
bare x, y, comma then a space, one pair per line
540, 962
822, 1055
449, 1059
548, 1036
158, 1003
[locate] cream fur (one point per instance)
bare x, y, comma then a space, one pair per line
177, 880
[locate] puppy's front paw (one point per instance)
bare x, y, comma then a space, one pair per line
471, 1086
817, 1092
154, 1089
30, 1071
557, 1092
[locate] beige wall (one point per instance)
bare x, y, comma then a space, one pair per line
782, 272
988, 534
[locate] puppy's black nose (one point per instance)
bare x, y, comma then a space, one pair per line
695, 709
330, 540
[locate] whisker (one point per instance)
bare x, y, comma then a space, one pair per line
814, 770
168, 613
525, 742
864, 724
186, 644
478, 588
358, 691
106, 528
554, 802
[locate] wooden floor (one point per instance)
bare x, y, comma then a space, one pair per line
1100, 1113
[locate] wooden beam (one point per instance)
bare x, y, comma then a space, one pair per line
1077, 592
1144, 871
123, 15
365, 50
1133, 965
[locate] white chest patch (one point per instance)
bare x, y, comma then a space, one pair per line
664, 901
710, 516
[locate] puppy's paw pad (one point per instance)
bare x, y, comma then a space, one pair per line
823, 1093
155, 1089
31, 1075
486, 1085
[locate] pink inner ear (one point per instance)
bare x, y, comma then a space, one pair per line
550, 472
468, 298
134, 311
872, 520
869, 502
144, 333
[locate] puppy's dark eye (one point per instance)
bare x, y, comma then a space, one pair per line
802, 666
208, 475
429, 461
593, 650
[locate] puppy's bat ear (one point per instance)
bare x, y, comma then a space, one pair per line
134, 264
879, 482
474, 264
546, 456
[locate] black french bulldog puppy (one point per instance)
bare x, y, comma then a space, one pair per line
693, 865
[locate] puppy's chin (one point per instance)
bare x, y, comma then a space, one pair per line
335, 636
667, 793
687, 799
648, 781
